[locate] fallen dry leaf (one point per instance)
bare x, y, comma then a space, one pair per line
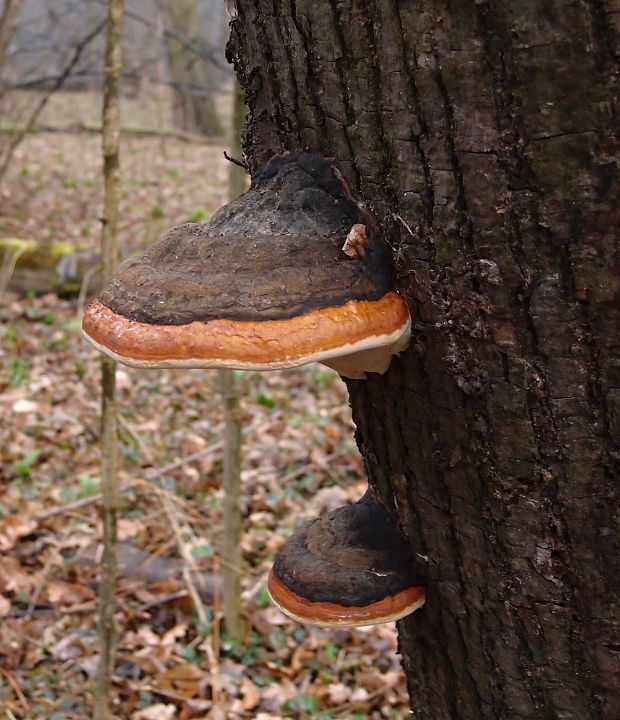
15, 527
185, 680
23, 406
274, 696
70, 647
339, 693
250, 694
61, 593
5, 606
156, 712
13, 578
174, 634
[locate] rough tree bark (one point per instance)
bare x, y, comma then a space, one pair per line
483, 136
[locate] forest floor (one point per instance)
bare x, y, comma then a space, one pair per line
299, 459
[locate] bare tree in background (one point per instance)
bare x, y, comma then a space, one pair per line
8, 20
30, 116
193, 106
58, 45
37, 60
109, 435
233, 522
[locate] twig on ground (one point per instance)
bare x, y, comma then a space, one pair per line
301, 471
185, 553
149, 477
212, 646
9, 261
214, 667
162, 600
249, 596
215, 635
153, 474
88, 276
39, 588
17, 690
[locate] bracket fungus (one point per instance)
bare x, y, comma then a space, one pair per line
265, 284
347, 568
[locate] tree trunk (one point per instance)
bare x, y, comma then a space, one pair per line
483, 136
110, 489
232, 529
8, 21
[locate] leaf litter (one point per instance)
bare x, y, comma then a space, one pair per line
299, 460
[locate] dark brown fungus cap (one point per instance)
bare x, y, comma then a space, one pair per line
264, 284
349, 567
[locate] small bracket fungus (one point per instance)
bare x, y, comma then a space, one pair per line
264, 284
349, 567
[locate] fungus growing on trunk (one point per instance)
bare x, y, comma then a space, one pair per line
264, 285
347, 568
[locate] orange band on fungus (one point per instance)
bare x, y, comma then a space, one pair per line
389, 608
260, 345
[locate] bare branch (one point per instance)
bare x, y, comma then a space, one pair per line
8, 18
73, 61
200, 49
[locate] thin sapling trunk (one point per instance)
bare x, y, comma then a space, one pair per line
109, 254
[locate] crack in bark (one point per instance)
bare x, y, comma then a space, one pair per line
379, 82
345, 92
534, 401
429, 194
606, 53
283, 123
310, 75
289, 68
463, 223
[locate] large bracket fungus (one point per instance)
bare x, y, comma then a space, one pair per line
265, 284
292, 272
349, 567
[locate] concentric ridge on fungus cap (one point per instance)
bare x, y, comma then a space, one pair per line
274, 253
348, 567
